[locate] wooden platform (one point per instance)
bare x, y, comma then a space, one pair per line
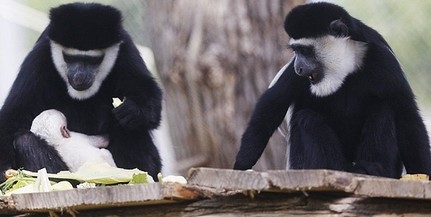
218, 192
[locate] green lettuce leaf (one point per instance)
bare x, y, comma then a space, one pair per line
99, 173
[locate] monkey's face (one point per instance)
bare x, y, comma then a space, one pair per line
83, 71
306, 63
326, 61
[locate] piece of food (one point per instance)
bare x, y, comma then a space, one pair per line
177, 179
116, 102
417, 177
61, 186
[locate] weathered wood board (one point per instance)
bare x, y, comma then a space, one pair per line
97, 198
220, 192
310, 181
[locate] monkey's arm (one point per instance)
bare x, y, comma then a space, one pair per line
412, 137
26, 99
141, 95
97, 141
411, 133
268, 114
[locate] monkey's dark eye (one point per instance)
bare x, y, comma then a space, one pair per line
303, 50
92, 60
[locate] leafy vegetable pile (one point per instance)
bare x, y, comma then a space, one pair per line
89, 175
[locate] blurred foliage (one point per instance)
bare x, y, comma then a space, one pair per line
406, 27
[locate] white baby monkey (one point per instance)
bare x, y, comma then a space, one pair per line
74, 148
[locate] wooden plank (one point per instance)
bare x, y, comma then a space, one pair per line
316, 204
83, 198
221, 192
392, 188
228, 179
6, 205
311, 180
328, 180
100, 197
291, 180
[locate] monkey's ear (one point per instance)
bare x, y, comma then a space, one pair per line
338, 29
65, 132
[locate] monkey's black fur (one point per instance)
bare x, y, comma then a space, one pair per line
39, 87
369, 125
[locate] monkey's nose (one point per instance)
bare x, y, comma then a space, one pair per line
299, 70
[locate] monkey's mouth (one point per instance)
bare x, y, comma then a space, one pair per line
314, 77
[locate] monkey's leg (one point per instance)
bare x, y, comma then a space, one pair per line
32, 153
314, 145
134, 149
378, 152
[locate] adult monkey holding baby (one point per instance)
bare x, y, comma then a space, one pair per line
82, 60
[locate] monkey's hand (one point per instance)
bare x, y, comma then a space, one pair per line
132, 116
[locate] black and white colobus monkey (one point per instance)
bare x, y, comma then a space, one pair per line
81, 61
350, 104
